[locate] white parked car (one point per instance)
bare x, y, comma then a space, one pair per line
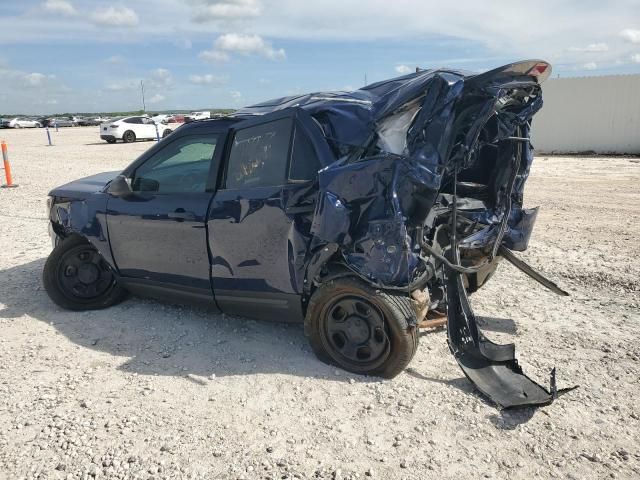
199, 115
160, 118
24, 123
130, 129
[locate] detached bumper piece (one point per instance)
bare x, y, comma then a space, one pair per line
491, 367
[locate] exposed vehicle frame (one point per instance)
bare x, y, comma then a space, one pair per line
390, 201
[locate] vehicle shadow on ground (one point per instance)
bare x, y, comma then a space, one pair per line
161, 339
504, 420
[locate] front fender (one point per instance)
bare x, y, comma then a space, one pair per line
85, 217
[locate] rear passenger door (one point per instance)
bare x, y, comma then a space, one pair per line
260, 218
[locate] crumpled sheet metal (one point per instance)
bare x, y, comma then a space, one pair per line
388, 190
389, 148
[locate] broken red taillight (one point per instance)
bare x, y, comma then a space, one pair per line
540, 70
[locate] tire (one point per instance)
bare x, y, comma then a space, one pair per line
361, 329
69, 273
166, 133
111, 140
129, 137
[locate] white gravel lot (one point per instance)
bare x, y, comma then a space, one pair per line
152, 391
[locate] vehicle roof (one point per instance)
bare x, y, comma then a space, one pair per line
210, 124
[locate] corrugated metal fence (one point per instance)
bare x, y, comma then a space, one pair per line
589, 114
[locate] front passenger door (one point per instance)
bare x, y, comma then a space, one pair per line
158, 236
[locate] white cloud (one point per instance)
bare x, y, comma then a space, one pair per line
246, 45
214, 56
235, 94
207, 79
404, 69
160, 78
242, 44
61, 7
631, 35
591, 48
635, 58
123, 85
212, 10
115, 59
118, 16
35, 79
590, 66
157, 98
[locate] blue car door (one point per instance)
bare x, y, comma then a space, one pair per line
260, 218
158, 236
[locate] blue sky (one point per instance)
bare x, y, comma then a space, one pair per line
81, 55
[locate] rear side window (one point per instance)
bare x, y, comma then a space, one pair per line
304, 161
133, 120
259, 155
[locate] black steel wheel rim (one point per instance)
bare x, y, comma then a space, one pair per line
83, 274
355, 331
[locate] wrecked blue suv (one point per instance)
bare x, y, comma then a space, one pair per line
355, 212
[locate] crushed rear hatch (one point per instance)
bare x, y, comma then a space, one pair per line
421, 190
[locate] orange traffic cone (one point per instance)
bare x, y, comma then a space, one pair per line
7, 167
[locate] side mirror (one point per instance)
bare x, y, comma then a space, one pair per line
119, 187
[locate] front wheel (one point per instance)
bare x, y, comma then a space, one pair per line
76, 277
361, 329
166, 133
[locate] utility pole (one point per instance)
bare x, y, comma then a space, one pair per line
144, 107
365, 79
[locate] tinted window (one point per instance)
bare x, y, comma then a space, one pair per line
304, 161
133, 120
259, 155
181, 166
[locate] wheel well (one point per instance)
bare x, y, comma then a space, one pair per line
329, 271
70, 235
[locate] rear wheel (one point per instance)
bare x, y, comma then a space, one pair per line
361, 329
129, 137
76, 277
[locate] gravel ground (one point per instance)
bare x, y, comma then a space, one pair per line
152, 391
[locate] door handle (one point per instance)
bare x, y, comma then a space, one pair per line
181, 215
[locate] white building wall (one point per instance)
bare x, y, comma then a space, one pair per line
599, 114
